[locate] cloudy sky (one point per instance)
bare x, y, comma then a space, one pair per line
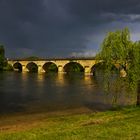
63, 28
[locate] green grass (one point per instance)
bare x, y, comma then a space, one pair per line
123, 124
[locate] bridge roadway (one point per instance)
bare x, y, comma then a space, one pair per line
87, 64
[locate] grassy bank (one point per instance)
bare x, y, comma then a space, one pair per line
121, 124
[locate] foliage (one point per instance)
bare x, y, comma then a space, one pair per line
73, 67
4, 66
32, 67
117, 48
2, 57
52, 68
8, 67
98, 69
30, 58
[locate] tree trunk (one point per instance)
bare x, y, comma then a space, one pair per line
138, 94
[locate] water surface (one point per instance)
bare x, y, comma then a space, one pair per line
32, 92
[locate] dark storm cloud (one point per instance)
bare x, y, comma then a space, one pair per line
54, 28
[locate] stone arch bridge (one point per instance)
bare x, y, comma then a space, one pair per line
86, 64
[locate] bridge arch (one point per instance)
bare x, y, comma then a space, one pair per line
50, 67
17, 66
99, 68
73, 67
32, 67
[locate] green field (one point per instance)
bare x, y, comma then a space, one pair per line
122, 124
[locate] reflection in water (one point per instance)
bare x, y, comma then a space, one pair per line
60, 79
32, 92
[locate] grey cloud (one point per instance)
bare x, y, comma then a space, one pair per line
55, 28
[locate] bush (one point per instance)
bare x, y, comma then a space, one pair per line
8, 67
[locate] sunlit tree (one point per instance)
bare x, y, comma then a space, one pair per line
118, 49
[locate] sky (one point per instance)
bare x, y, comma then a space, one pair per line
63, 28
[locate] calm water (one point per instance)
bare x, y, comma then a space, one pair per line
44, 92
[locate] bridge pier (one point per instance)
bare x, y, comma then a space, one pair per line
40, 69
24, 69
60, 69
87, 70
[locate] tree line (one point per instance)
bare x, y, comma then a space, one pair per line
4, 66
2, 57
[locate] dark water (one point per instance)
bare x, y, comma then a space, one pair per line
44, 92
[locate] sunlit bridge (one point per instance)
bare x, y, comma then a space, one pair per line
66, 65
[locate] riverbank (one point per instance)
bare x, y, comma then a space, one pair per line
121, 124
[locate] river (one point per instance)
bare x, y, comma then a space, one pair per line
32, 92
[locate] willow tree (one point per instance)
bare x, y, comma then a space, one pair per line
118, 49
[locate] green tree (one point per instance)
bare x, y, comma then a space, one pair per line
30, 58
2, 57
117, 48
